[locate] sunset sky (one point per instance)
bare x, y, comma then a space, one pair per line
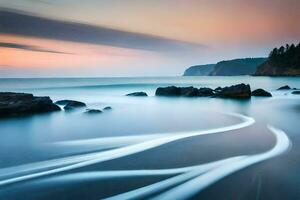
138, 37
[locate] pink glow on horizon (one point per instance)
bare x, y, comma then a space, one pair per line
73, 54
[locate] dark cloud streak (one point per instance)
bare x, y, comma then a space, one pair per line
28, 48
34, 26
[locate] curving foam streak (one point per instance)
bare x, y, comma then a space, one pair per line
194, 186
128, 150
59, 162
96, 175
143, 192
110, 142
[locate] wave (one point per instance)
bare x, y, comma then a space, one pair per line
199, 180
39, 169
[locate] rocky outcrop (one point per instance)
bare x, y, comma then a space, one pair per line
261, 93
188, 91
205, 92
168, 91
137, 94
286, 87
70, 104
235, 91
296, 92
270, 69
283, 61
18, 104
235, 67
240, 91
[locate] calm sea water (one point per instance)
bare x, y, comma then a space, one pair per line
41, 143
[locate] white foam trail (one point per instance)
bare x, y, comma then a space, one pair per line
59, 162
141, 193
120, 152
194, 186
142, 172
110, 142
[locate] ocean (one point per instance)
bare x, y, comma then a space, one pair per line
152, 147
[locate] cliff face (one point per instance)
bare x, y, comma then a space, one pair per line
236, 67
284, 61
199, 70
268, 69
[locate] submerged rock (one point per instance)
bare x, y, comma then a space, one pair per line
261, 93
93, 111
107, 108
17, 104
296, 92
137, 94
286, 87
240, 91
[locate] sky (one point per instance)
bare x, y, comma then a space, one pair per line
138, 37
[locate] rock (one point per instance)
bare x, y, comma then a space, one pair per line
205, 92
107, 108
93, 111
236, 91
168, 91
189, 91
183, 91
17, 104
71, 104
296, 92
261, 93
286, 87
137, 94
239, 91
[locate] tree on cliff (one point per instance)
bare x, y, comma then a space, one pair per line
282, 61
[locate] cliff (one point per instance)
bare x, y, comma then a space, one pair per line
199, 70
284, 61
236, 67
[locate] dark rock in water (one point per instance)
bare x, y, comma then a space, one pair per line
137, 94
296, 92
71, 104
218, 89
168, 91
188, 91
286, 87
107, 108
261, 93
17, 104
184, 91
205, 92
240, 91
93, 111
235, 91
